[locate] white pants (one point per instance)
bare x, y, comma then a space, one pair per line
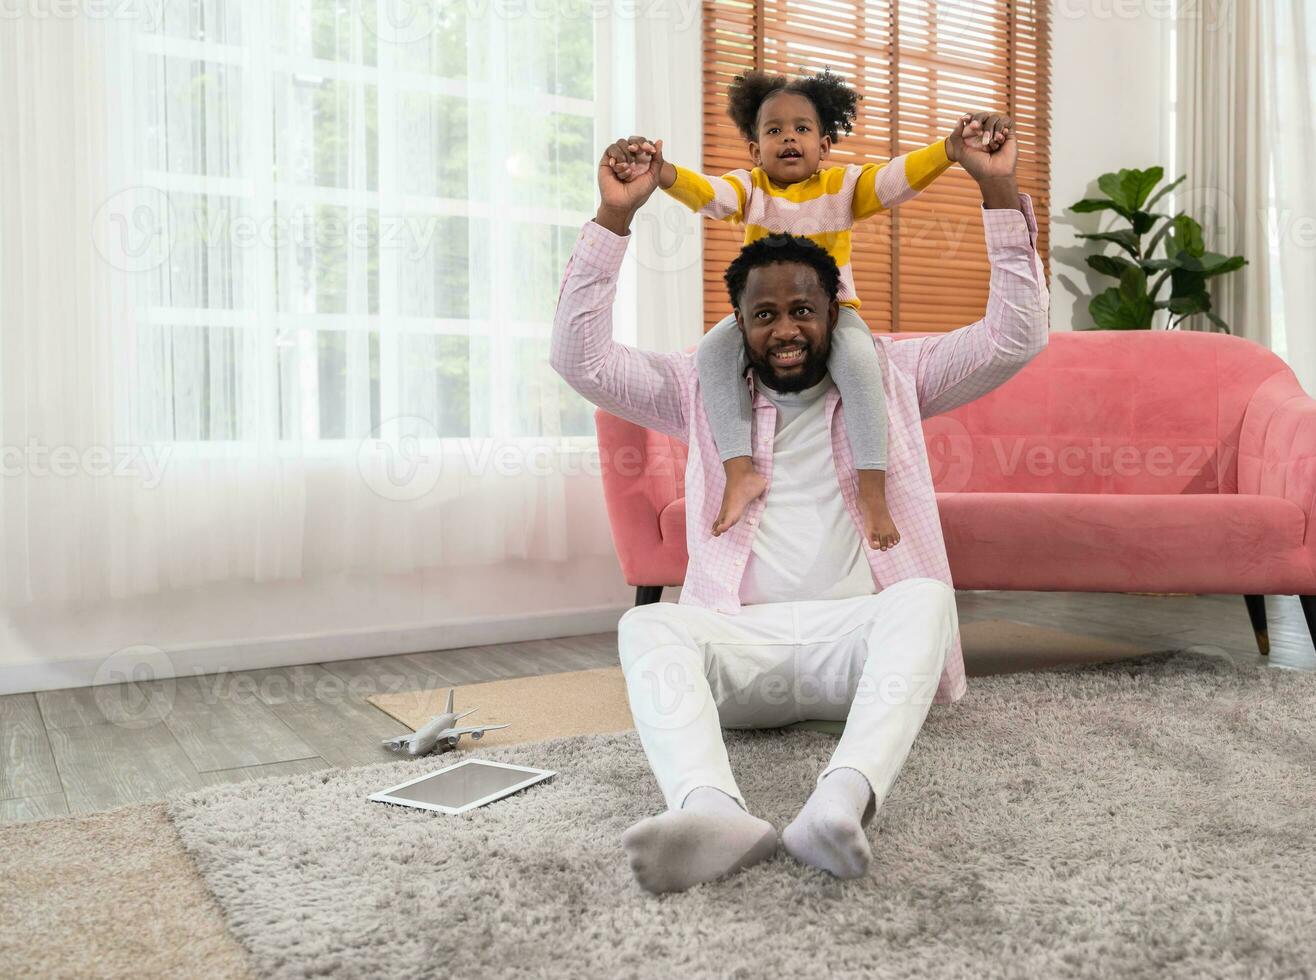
873, 661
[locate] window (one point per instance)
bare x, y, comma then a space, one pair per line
367, 207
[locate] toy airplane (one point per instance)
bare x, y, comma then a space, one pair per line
439, 733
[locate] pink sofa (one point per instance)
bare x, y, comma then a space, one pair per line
1141, 461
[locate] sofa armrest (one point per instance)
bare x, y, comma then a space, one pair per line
643, 472
1277, 448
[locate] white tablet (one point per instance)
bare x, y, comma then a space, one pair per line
462, 786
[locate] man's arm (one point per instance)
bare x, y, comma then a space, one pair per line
957, 367
647, 388
644, 387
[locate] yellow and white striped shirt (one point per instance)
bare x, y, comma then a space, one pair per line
822, 208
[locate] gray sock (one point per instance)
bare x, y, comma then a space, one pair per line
829, 832
710, 836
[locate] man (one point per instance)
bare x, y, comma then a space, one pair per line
791, 615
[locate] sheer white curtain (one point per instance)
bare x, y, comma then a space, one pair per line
1291, 91
1223, 146
276, 281
1246, 136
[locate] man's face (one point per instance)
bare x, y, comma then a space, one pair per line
787, 321
791, 145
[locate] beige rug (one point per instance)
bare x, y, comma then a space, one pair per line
109, 895
577, 702
593, 702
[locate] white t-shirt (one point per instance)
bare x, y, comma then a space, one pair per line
806, 545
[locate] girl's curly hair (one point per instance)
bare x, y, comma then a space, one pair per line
835, 102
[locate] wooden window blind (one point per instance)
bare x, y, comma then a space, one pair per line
918, 64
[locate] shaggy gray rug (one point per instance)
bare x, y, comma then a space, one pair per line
1147, 818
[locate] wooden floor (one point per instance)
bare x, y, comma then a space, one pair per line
87, 749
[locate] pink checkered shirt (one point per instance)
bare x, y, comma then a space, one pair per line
923, 376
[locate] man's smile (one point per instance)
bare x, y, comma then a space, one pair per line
788, 356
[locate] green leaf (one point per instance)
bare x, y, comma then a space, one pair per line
1211, 263
1192, 303
1090, 204
1108, 265
1124, 238
1219, 322
1129, 188
1113, 187
1186, 236
1125, 307
1140, 183
1231, 264
1133, 285
1144, 222
1108, 310
1184, 284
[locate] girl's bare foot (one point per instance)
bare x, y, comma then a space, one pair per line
879, 529
744, 486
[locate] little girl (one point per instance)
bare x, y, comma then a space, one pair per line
790, 126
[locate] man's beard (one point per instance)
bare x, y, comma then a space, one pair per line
815, 367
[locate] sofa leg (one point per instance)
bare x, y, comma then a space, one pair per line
1256, 611
1309, 610
648, 594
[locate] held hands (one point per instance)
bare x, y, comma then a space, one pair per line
628, 177
631, 158
984, 144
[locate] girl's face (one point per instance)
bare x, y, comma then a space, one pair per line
790, 146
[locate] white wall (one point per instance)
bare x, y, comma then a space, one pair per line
236, 626
1111, 107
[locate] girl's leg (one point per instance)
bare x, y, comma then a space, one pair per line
720, 361
855, 368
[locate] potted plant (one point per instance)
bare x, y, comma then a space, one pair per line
1184, 264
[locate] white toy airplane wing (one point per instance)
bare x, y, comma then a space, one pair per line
471, 731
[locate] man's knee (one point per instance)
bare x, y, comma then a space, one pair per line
931, 592
926, 606
932, 599
645, 628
